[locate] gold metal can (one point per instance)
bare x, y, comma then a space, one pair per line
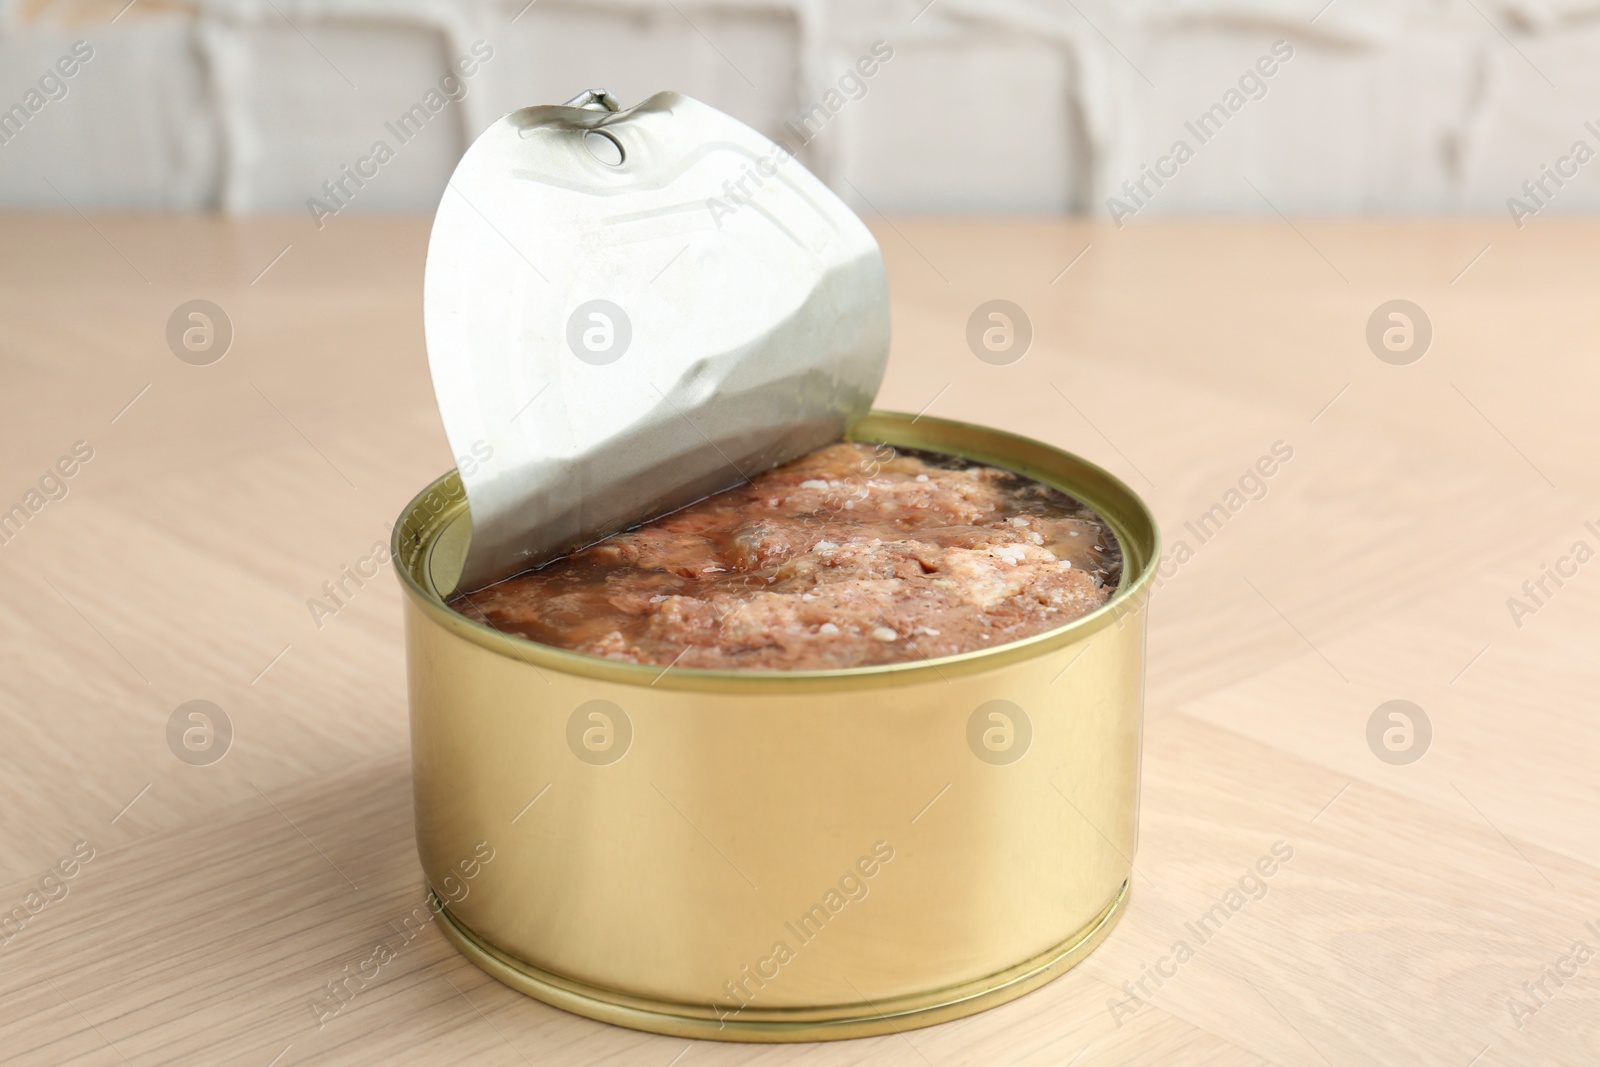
780, 856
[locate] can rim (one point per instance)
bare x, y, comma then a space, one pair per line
769, 1025
421, 526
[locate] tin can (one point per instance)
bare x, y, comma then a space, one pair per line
780, 856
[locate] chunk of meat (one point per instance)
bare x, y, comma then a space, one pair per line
852, 556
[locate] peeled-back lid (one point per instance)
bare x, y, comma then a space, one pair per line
628, 310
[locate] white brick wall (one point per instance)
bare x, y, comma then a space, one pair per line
986, 106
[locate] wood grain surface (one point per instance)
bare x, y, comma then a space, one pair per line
1422, 904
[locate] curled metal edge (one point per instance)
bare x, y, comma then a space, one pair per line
755, 304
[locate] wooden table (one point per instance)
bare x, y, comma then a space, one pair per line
1378, 564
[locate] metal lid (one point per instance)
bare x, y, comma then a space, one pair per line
627, 310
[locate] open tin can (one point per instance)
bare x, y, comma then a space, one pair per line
780, 855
